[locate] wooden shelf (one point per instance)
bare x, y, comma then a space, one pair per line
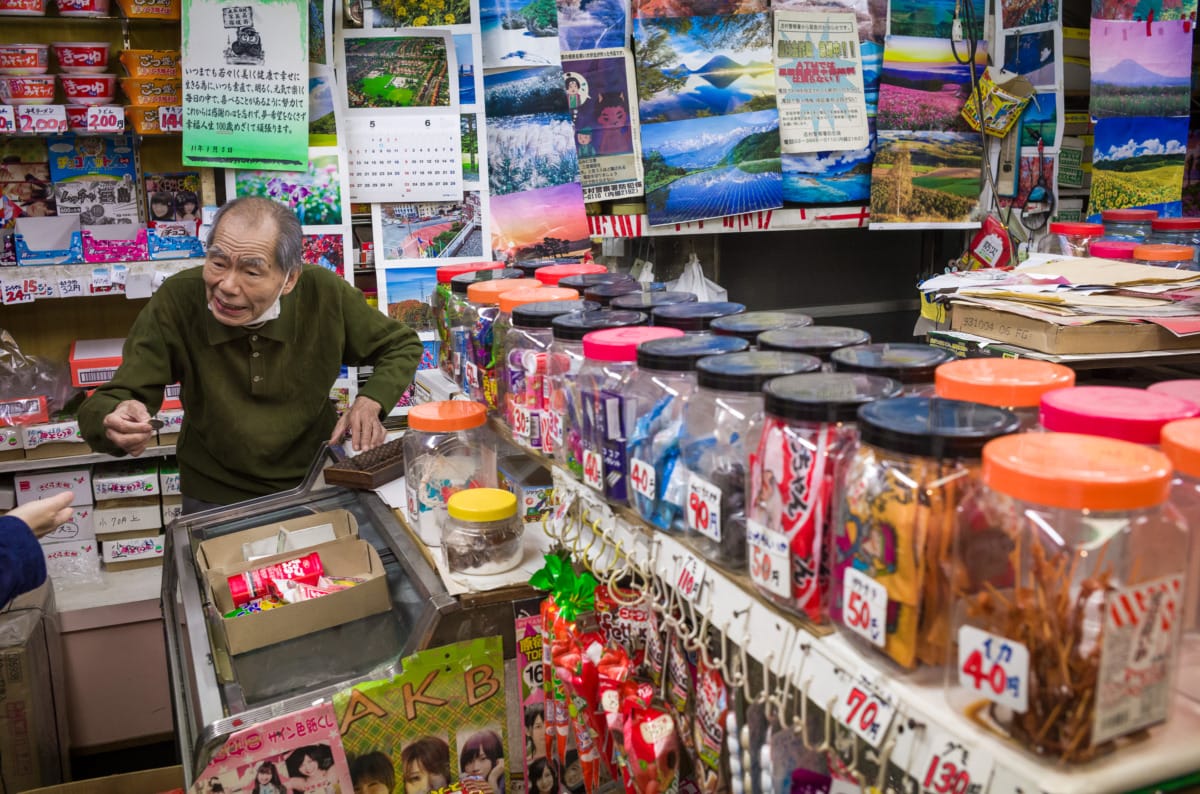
16, 466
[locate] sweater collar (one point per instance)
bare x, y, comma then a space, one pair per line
281, 329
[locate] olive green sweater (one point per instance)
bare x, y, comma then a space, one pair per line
256, 401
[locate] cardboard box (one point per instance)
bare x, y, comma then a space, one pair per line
168, 478
125, 479
71, 556
53, 440
172, 508
171, 400
10, 444
225, 552
1047, 337
118, 554
81, 527
94, 361
24, 411
148, 781
37, 484
345, 557
128, 515
172, 423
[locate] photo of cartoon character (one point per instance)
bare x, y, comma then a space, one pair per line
577, 92
481, 762
614, 135
583, 142
425, 764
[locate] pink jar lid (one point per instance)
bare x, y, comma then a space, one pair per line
621, 344
1185, 389
1112, 249
1113, 411
550, 275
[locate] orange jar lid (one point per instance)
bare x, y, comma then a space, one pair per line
1002, 382
1164, 252
446, 416
522, 295
1181, 443
489, 292
1077, 472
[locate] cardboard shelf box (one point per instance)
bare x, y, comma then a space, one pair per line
126, 479
148, 781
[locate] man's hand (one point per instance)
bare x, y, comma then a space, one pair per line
128, 426
45, 514
362, 420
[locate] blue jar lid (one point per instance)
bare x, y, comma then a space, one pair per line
748, 325
932, 427
694, 316
816, 340
680, 353
576, 325
747, 372
905, 362
646, 301
542, 313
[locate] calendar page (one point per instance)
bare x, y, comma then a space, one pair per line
405, 159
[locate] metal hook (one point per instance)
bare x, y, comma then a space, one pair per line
765, 693
888, 747
714, 663
729, 660
826, 739
801, 727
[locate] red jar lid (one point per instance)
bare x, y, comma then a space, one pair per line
1112, 249
1077, 229
447, 272
552, 274
1175, 224
1129, 215
1117, 412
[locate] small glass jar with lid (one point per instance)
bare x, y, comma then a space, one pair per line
456, 313
813, 340
1118, 250
501, 333
917, 464
1117, 412
660, 387
1179, 257
561, 420
911, 364
1068, 583
1130, 224
1013, 383
483, 534
606, 417
1069, 239
809, 433
447, 448
693, 318
648, 301
550, 275
721, 427
441, 308
748, 325
1177, 231
1181, 444
483, 310
604, 293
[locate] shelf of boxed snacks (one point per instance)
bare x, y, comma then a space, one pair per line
134, 279
48, 445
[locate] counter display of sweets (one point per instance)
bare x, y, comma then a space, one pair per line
647, 301
693, 318
550, 275
1119, 412
506, 371
1181, 444
480, 316
441, 308
456, 324
813, 340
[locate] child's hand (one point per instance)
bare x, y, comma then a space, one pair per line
45, 514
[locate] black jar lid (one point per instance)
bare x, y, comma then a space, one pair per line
581, 282
816, 340
527, 268
459, 284
604, 293
932, 427
906, 362
542, 313
680, 353
748, 325
693, 316
646, 301
575, 326
747, 372
826, 396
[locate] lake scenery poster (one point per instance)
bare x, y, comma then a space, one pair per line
823, 178
592, 24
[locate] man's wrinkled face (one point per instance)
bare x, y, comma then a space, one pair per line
241, 277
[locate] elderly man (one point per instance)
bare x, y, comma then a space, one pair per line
256, 341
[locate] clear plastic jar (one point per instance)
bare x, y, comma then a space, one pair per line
456, 318
660, 387
1067, 581
502, 339
583, 282
1179, 257
693, 318
550, 275
1069, 239
441, 308
911, 364
1117, 412
808, 436
483, 310
560, 423
1013, 383
483, 534
528, 365
647, 301
916, 465
447, 448
606, 417
1184, 388
1127, 224
1177, 231
748, 325
604, 293
721, 427
1181, 444
813, 340
1119, 250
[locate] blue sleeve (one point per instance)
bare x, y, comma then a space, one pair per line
22, 566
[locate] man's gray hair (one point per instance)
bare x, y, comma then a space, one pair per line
289, 243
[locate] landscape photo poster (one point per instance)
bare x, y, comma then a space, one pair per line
926, 179
1138, 162
407, 231
519, 33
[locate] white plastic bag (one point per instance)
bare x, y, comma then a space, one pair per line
692, 280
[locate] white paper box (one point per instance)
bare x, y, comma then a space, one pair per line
172, 507
44, 483
33, 436
127, 515
125, 480
81, 527
131, 549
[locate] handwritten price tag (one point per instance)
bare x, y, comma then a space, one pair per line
70, 288
593, 469
641, 475
170, 118
42, 118
703, 508
552, 424
101, 281
105, 118
119, 273
8, 119
995, 667
864, 606
14, 292
520, 421
941, 764
770, 567
691, 577
864, 711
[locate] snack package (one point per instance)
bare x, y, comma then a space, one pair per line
256, 583
651, 747
711, 699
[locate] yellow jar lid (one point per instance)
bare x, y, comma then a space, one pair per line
482, 504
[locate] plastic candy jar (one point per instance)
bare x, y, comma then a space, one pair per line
505, 371
814, 340
456, 311
1120, 250
808, 436
1181, 444
582, 282
721, 427
1177, 231
1184, 388
483, 310
441, 307
562, 420
664, 380
1069, 239
1180, 257
483, 534
748, 325
448, 447
916, 465
647, 301
1127, 224
911, 364
693, 318
1068, 586
1013, 383
552, 274
607, 418
604, 293
1118, 412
